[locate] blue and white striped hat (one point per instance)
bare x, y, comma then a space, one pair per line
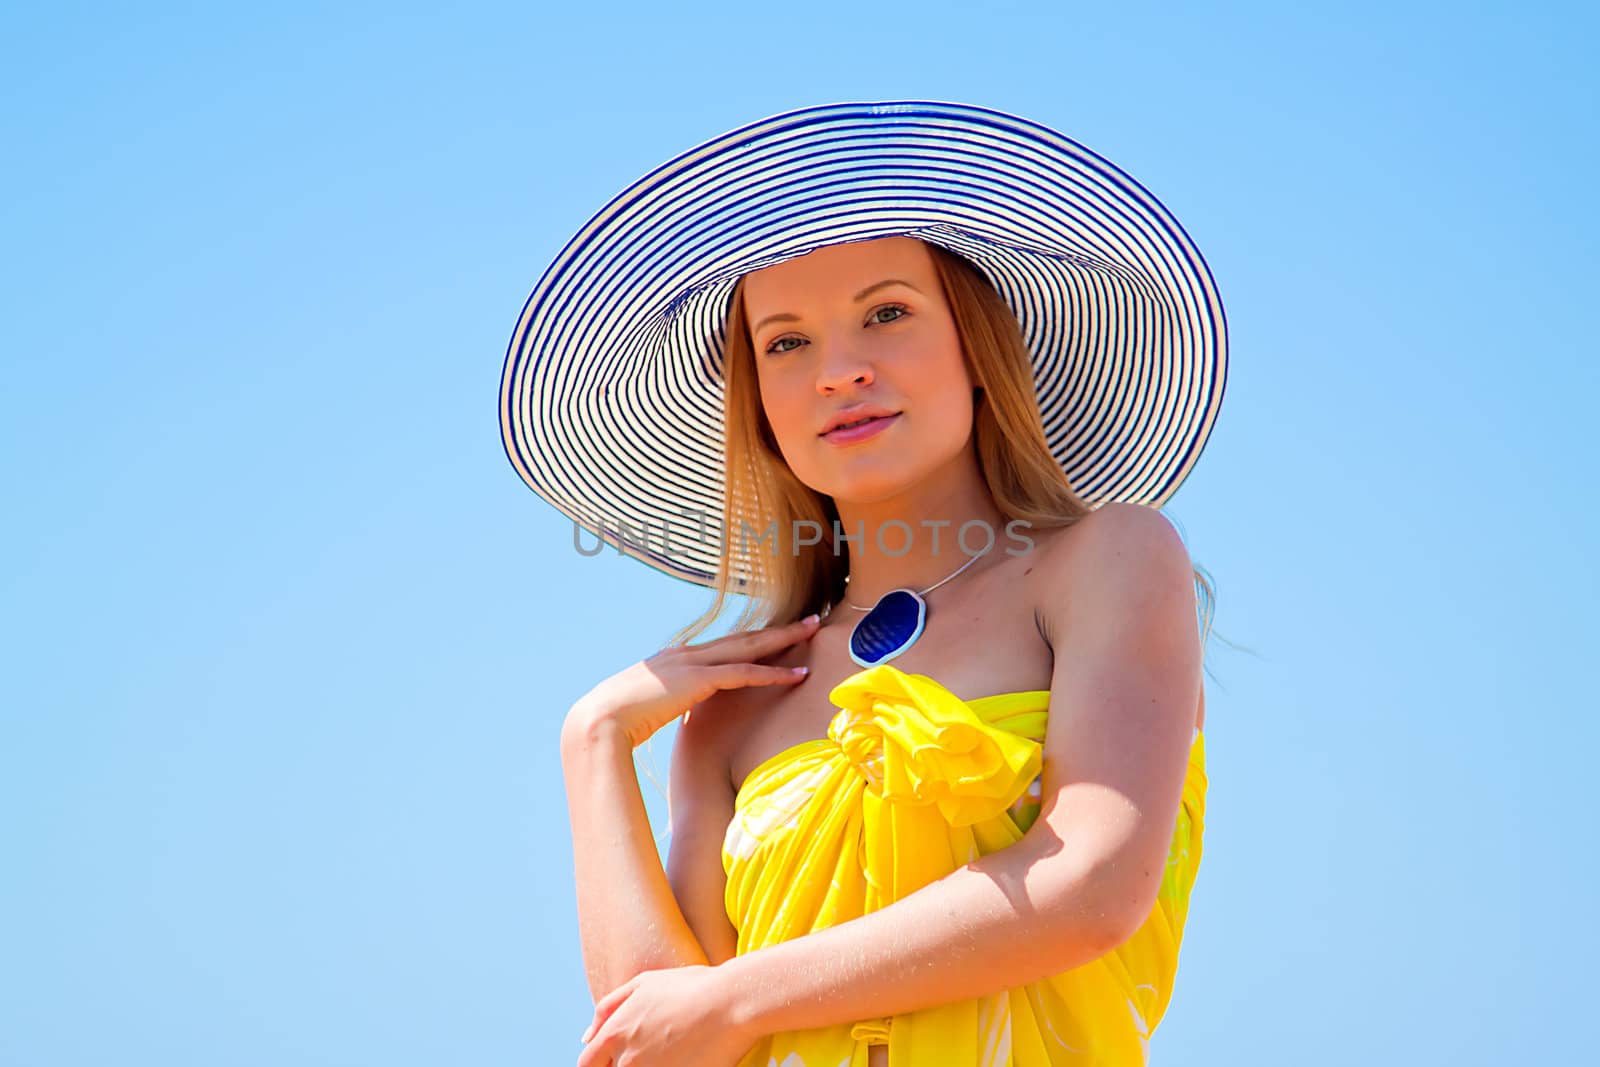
611, 401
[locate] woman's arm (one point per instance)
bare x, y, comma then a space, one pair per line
1118, 610
1010, 918
628, 918
701, 804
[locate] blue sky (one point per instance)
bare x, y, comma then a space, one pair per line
286, 644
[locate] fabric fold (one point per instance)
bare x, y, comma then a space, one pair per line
911, 783
916, 742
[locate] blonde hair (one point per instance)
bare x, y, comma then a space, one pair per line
761, 492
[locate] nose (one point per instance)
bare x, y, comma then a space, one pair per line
841, 369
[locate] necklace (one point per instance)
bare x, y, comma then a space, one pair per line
894, 623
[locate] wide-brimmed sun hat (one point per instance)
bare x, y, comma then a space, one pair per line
611, 400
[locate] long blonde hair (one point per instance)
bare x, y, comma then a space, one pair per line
761, 492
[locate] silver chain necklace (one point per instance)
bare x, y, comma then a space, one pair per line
894, 623
920, 592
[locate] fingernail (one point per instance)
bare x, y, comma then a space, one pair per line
813, 617
800, 670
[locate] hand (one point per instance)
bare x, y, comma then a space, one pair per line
643, 698
673, 1017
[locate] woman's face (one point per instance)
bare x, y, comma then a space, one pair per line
860, 325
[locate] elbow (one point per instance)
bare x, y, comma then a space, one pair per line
1100, 934
1100, 909
1113, 935
685, 955
1123, 905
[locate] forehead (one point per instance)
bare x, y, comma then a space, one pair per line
840, 270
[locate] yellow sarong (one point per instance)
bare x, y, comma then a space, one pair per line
910, 784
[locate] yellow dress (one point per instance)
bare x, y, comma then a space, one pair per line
910, 784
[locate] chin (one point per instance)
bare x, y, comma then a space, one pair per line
868, 486
867, 476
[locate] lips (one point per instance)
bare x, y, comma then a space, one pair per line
855, 413
849, 433
859, 422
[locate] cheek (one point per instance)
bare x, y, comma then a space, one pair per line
946, 386
949, 350
785, 405
932, 348
934, 368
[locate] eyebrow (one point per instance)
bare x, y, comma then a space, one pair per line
862, 295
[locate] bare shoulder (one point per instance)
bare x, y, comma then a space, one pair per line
1118, 550
718, 731
706, 733
712, 731
1114, 529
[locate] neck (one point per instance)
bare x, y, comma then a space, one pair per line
914, 538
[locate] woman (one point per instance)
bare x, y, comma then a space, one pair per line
915, 863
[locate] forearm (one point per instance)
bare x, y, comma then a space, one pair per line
1010, 918
628, 918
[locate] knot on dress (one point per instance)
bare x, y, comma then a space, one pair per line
916, 742
872, 1031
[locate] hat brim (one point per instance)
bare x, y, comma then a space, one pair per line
611, 398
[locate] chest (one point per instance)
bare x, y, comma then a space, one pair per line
973, 653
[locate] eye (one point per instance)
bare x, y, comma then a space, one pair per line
901, 308
872, 319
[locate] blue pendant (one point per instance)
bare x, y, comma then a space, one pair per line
892, 626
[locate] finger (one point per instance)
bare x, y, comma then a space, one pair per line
750, 644
592, 1029
753, 644
594, 1056
602, 1012
596, 1053
739, 675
